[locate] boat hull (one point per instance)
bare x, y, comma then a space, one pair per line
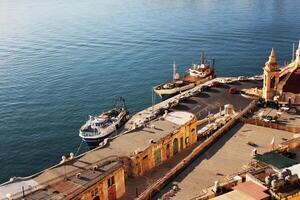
167, 93
167, 96
94, 142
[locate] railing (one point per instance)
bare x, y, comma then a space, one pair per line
89, 134
283, 127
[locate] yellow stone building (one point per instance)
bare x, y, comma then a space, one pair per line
149, 146
111, 187
168, 144
282, 84
70, 180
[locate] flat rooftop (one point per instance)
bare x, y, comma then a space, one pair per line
125, 145
227, 156
61, 187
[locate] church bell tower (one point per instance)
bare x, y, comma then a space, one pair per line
270, 77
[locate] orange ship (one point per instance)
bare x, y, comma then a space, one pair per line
196, 74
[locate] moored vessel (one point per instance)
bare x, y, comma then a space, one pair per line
97, 128
196, 74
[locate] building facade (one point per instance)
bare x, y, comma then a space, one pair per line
164, 149
282, 84
111, 187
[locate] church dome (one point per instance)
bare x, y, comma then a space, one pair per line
293, 83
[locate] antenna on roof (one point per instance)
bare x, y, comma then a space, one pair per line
213, 63
293, 55
174, 69
153, 99
202, 57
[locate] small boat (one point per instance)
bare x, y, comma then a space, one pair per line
97, 128
197, 74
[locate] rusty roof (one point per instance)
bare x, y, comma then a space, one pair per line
234, 195
252, 189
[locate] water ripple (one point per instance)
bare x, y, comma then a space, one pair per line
59, 63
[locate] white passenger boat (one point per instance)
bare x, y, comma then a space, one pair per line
97, 128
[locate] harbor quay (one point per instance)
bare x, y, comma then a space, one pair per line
140, 151
230, 154
216, 140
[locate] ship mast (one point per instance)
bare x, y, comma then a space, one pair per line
174, 70
202, 57
293, 54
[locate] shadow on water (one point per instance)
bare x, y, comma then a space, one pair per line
206, 154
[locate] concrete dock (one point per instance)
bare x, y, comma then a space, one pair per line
198, 103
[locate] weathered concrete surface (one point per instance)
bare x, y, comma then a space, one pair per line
210, 100
207, 101
225, 157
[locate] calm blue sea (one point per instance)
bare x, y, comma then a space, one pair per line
62, 60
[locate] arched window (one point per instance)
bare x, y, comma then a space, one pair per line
187, 141
272, 82
175, 146
95, 194
168, 151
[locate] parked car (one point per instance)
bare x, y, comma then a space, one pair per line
232, 90
204, 87
225, 80
242, 78
285, 108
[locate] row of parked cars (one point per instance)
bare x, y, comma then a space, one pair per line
231, 90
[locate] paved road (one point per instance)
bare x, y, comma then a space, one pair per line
211, 99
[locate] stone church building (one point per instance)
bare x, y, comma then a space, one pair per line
282, 84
